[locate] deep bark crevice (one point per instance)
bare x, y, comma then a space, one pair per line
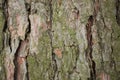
17, 56
34, 20
5, 13
89, 50
49, 25
16, 63
27, 37
118, 12
27, 73
20, 61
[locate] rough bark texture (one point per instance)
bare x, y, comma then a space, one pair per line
60, 40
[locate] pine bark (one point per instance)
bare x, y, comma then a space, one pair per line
60, 40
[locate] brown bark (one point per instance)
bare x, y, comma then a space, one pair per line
61, 39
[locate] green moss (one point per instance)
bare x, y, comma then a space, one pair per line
109, 15
39, 64
2, 72
1, 27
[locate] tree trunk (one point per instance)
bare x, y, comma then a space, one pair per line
60, 40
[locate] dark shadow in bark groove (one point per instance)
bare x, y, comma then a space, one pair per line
15, 62
27, 66
28, 9
118, 12
20, 61
89, 49
54, 62
5, 13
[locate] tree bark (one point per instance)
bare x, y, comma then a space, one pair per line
60, 40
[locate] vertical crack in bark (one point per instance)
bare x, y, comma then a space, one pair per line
15, 63
5, 13
27, 66
91, 20
118, 12
9, 66
20, 60
26, 36
77, 55
90, 49
5, 28
54, 62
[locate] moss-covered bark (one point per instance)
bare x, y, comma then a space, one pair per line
60, 40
